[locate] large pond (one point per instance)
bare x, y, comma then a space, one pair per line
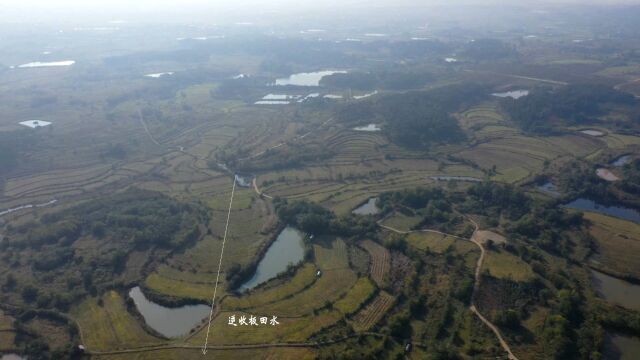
368, 208
621, 347
616, 211
306, 79
616, 290
287, 249
170, 322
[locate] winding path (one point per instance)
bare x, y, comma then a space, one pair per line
476, 285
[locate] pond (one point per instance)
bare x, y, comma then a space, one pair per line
306, 79
38, 64
364, 96
280, 97
35, 123
170, 322
368, 208
621, 347
615, 211
160, 74
616, 290
287, 249
606, 174
11, 357
549, 188
592, 132
621, 161
456, 178
370, 127
271, 102
515, 94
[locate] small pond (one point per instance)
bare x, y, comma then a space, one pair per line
515, 94
606, 174
11, 357
549, 188
364, 96
621, 161
271, 102
159, 75
370, 128
368, 208
615, 211
287, 249
306, 79
38, 64
280, 97
35, 123
170, 322
616, 290
592, 132
621, 347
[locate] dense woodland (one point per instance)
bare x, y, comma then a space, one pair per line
545, 110
50, 268
416, 119
377, 80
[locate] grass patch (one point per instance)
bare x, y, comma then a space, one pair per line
427, 240
504, 265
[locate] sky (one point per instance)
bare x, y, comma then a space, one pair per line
165, 10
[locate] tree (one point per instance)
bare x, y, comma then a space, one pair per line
30, 293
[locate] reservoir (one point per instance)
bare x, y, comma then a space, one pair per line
287, 249
615, 290
368, 208
615, 211
170, 322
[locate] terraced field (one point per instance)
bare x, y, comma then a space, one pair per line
380, 260
110, 326
366, 318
